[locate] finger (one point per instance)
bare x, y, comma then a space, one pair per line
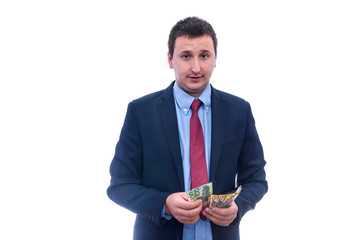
183, 210
184, 196
187, 216
218, 217
219, 220
212, 218
189, 220
190, 211
189, 205
232, 209
220, 212
181, 200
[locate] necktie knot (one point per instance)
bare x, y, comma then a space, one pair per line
195, 105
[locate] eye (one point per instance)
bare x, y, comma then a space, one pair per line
204, 56
185, 56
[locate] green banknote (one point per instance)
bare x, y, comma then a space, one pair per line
203, 192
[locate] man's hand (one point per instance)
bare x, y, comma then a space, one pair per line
185, 211
222, 216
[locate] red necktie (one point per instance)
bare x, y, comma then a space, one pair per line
199, 174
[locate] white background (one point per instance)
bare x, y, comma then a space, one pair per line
68, 69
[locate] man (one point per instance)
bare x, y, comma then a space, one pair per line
159, 157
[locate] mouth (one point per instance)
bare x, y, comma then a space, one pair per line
196, 77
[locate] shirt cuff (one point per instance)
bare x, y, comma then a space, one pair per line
163, 215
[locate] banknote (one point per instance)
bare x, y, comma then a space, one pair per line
224, 200
203, 192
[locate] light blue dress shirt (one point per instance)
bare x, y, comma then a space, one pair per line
201, 230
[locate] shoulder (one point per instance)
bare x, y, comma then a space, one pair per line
231, 100
148, 99
149, 102
154, 98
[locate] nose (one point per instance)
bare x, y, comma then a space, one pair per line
195, 66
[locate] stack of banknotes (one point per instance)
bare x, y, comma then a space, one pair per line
204, 193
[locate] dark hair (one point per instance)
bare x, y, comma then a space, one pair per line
191, 27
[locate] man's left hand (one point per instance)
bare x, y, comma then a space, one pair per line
222, 216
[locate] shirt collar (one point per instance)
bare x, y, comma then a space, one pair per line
184, 100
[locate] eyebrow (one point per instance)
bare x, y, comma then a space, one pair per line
187, 52
190, 52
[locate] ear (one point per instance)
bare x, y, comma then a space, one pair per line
215, 59
170, 61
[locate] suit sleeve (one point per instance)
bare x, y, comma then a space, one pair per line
251, 172
127, 187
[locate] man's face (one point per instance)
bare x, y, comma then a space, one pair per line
193, 61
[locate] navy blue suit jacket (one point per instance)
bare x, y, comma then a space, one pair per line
147, 166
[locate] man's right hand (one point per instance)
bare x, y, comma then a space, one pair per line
185, 211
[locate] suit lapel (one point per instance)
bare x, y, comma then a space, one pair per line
169, 122
218, 111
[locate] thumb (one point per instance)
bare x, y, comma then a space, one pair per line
184, 196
